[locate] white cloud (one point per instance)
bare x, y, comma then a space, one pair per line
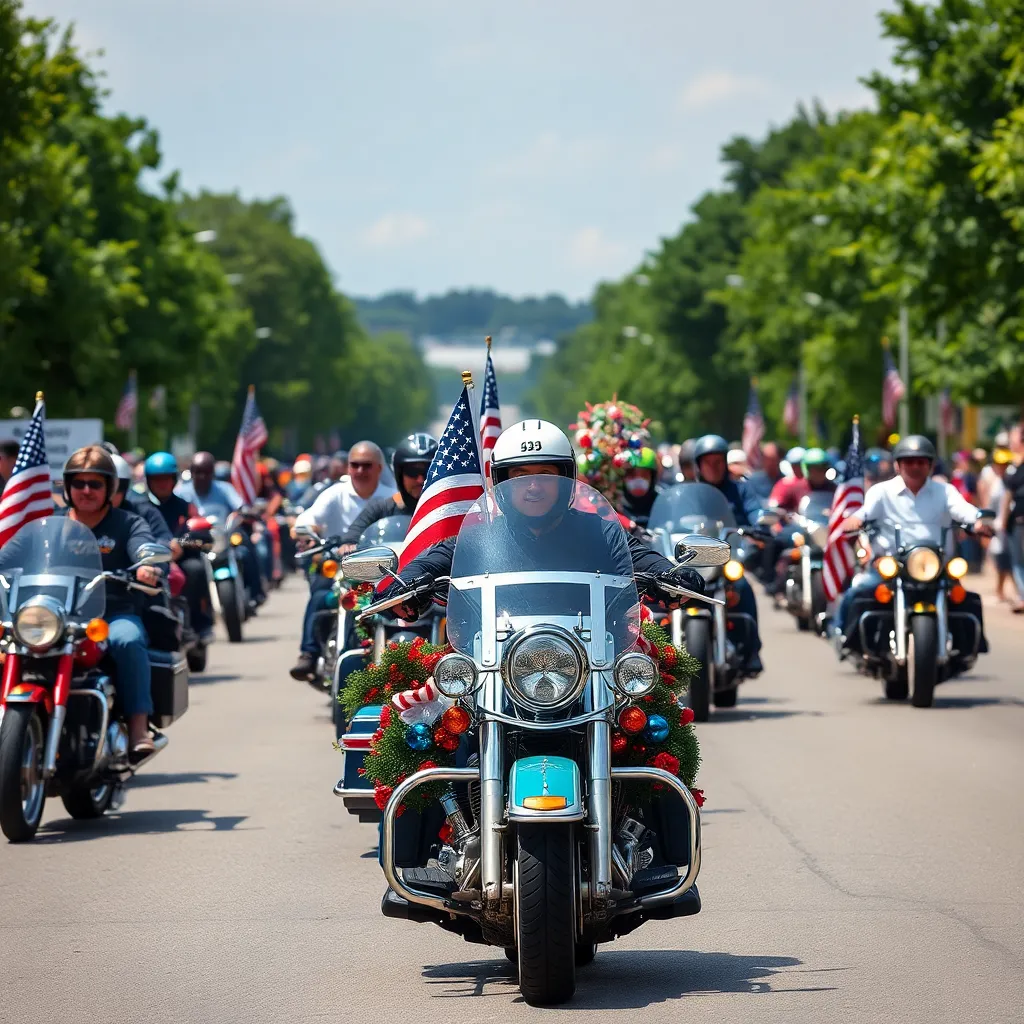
716, 86
550, 154
396, 229
590, 249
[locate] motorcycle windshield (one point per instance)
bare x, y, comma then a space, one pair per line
817, 506
691, 508
544, 550
56, 557
390, 531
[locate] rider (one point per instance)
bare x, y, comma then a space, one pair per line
788, 492
550, 454
920, 506
641, 485
710, 454
90, 483
410, 463
140, 504
330, 516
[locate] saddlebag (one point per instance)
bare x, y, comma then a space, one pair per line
169, 687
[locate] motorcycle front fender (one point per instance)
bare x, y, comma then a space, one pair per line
544, 789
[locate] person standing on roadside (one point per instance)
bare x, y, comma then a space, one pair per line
1011, 515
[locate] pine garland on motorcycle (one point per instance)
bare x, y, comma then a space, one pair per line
610, 437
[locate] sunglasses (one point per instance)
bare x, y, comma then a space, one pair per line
361, 465
414, 472
87, 485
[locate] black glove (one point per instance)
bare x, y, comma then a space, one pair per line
689, 578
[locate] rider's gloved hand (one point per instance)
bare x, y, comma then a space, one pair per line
689, 578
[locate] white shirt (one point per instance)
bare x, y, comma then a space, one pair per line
336, 508
920, 516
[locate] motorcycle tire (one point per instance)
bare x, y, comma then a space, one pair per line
923, 660
699, 646
896, 689
196, 658
229, 609
803, 624
22, 739
83, 804
818, 602
545, 913
726, 698
585, 953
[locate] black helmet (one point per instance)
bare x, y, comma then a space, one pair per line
686, 451
914, 446
415, 450
710, 444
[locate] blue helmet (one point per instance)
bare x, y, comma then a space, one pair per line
161, 464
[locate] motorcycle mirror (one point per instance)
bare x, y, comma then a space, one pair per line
306, 531
702, 552
153, 554
370, 565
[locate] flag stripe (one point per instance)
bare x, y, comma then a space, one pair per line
838, 559
27, 494
490, 414
252, 435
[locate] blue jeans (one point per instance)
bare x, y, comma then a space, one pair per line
863, 583
128, 647
319, 588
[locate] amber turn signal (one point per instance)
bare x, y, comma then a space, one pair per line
329, 568
545, 803
958, 594
883, 595
237, 538
97, 630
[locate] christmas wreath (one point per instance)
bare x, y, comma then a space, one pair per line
420, 728
608, 437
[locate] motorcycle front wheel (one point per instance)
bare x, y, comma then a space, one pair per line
22, 787
923, 660
699, 646
227, 593
545, 913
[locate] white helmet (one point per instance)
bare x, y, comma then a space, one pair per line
528, 443
124, 471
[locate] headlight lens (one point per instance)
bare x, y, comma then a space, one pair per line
544, 670
923, 564
733, 570
957, 567
455, 675
635, 674
887, 567
38, 625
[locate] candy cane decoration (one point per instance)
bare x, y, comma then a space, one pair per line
421, 695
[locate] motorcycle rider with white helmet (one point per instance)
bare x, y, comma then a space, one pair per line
538, 449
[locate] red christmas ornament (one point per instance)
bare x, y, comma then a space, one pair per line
686, 716
698, 796
456, 720
445, 739
666, 762
426, 764
381, 795
668, 656
632, 720
619, 743
446, 833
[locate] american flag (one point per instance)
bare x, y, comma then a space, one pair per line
27, 494
251, 438
791, 410
490, 414
124, 417
839, 560
893, 388
454, 482
753, 430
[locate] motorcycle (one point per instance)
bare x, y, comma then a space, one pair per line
719, 637
61, 731
802, 561
548, 854
920, 626
224, 573
198, 539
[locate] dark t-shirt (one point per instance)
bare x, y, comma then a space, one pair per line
142, 506
176, 512
1014, 481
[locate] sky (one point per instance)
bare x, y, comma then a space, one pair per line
531, 147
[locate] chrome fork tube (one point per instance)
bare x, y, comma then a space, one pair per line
942, 624
492, 807
600, 778
805, 579
901, 624
720, 634
53, 740
378, 642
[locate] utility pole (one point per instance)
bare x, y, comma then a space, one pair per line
905, 371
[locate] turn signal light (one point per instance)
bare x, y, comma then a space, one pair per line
883, 595
733, 570
97, 630
732, 598
957, 567
794, 554
545, 803
329, 568
237, 538
887, 567
958, 594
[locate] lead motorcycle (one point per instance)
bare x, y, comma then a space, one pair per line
549, 854
61, 731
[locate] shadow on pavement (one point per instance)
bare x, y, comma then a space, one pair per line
977, 702
144, 781
136, 823
628, 979
197, 679
742, 713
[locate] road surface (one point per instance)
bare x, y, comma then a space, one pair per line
862, 862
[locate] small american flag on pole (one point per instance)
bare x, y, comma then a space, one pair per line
791, 410
27, 494
839, 561
490, 412
124, 417
454, 483
753, 429
893, 388
251, 438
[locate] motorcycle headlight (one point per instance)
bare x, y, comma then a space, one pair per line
957, 567
635, 674
887, 567
544, 670
39, 625
923, 564
455, 675
733, 570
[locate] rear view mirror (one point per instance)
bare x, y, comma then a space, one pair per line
369, 565
702, 552
153, 554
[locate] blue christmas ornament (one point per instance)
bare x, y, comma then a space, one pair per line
420, 737
657, 729
636, 442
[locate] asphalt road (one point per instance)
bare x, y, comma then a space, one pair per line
862, 862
